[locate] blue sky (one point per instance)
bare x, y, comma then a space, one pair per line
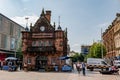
83, 18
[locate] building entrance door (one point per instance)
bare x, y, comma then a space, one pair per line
41, 63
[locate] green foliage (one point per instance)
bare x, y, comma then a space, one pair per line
19, 51
78, 57
96, 51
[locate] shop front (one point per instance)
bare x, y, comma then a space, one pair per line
40, 63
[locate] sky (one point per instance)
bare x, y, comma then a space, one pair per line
84, 19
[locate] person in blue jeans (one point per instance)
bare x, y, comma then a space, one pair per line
83, 68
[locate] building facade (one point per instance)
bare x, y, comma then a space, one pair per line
10, 36
108, 41
43, 45
111, 38
85, 49
117, 35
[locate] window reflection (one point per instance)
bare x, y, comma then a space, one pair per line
42, 43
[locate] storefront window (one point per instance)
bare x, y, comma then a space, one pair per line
53, 61
29, 61
33, 43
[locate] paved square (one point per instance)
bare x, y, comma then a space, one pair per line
21, 75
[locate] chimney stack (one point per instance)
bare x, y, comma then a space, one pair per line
48, 15
118, 16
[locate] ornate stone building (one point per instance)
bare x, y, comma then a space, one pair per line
43, 45
111, 38
108, 41
117, 35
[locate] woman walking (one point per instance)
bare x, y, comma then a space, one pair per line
78, 65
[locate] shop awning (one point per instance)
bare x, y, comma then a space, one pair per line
64, 57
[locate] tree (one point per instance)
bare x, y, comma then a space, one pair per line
96, 50
78, 57
19, 51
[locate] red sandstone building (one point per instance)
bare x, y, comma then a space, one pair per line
43, 44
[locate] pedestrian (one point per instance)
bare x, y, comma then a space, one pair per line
78, 66
0, 65
20, 64
83, 68
25, 67
10, 65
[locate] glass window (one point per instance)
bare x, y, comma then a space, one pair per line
29, 61
104, 63
50, 43
0, 22
3, 41
12, 46
47, 43
61, 43
34, 43
53, 61
19, 32
11, 28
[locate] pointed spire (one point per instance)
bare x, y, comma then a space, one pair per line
26, 29
59, 20
59, 28
30, 26
42, 14
54, 25
66, 32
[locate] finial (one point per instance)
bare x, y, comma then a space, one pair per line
59, 20
59, 28
26, 18
30, 26
42, 12
54, 25
66, 31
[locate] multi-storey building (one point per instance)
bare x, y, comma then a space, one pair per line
10, 36
111, 38
108, 41
85, 49
117, 34
43, 45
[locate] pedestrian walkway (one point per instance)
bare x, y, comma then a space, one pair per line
21, 75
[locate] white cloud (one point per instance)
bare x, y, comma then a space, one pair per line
75, 47
21, 20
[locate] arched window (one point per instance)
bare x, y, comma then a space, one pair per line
33, 43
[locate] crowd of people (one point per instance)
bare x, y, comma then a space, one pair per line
11, 65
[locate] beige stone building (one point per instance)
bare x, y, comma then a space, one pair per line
111, 38
117, 34
108, 41
10, 36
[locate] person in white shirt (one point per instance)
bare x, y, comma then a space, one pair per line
78, 66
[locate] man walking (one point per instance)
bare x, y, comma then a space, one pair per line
83, 68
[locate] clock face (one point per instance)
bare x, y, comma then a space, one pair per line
42, 28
